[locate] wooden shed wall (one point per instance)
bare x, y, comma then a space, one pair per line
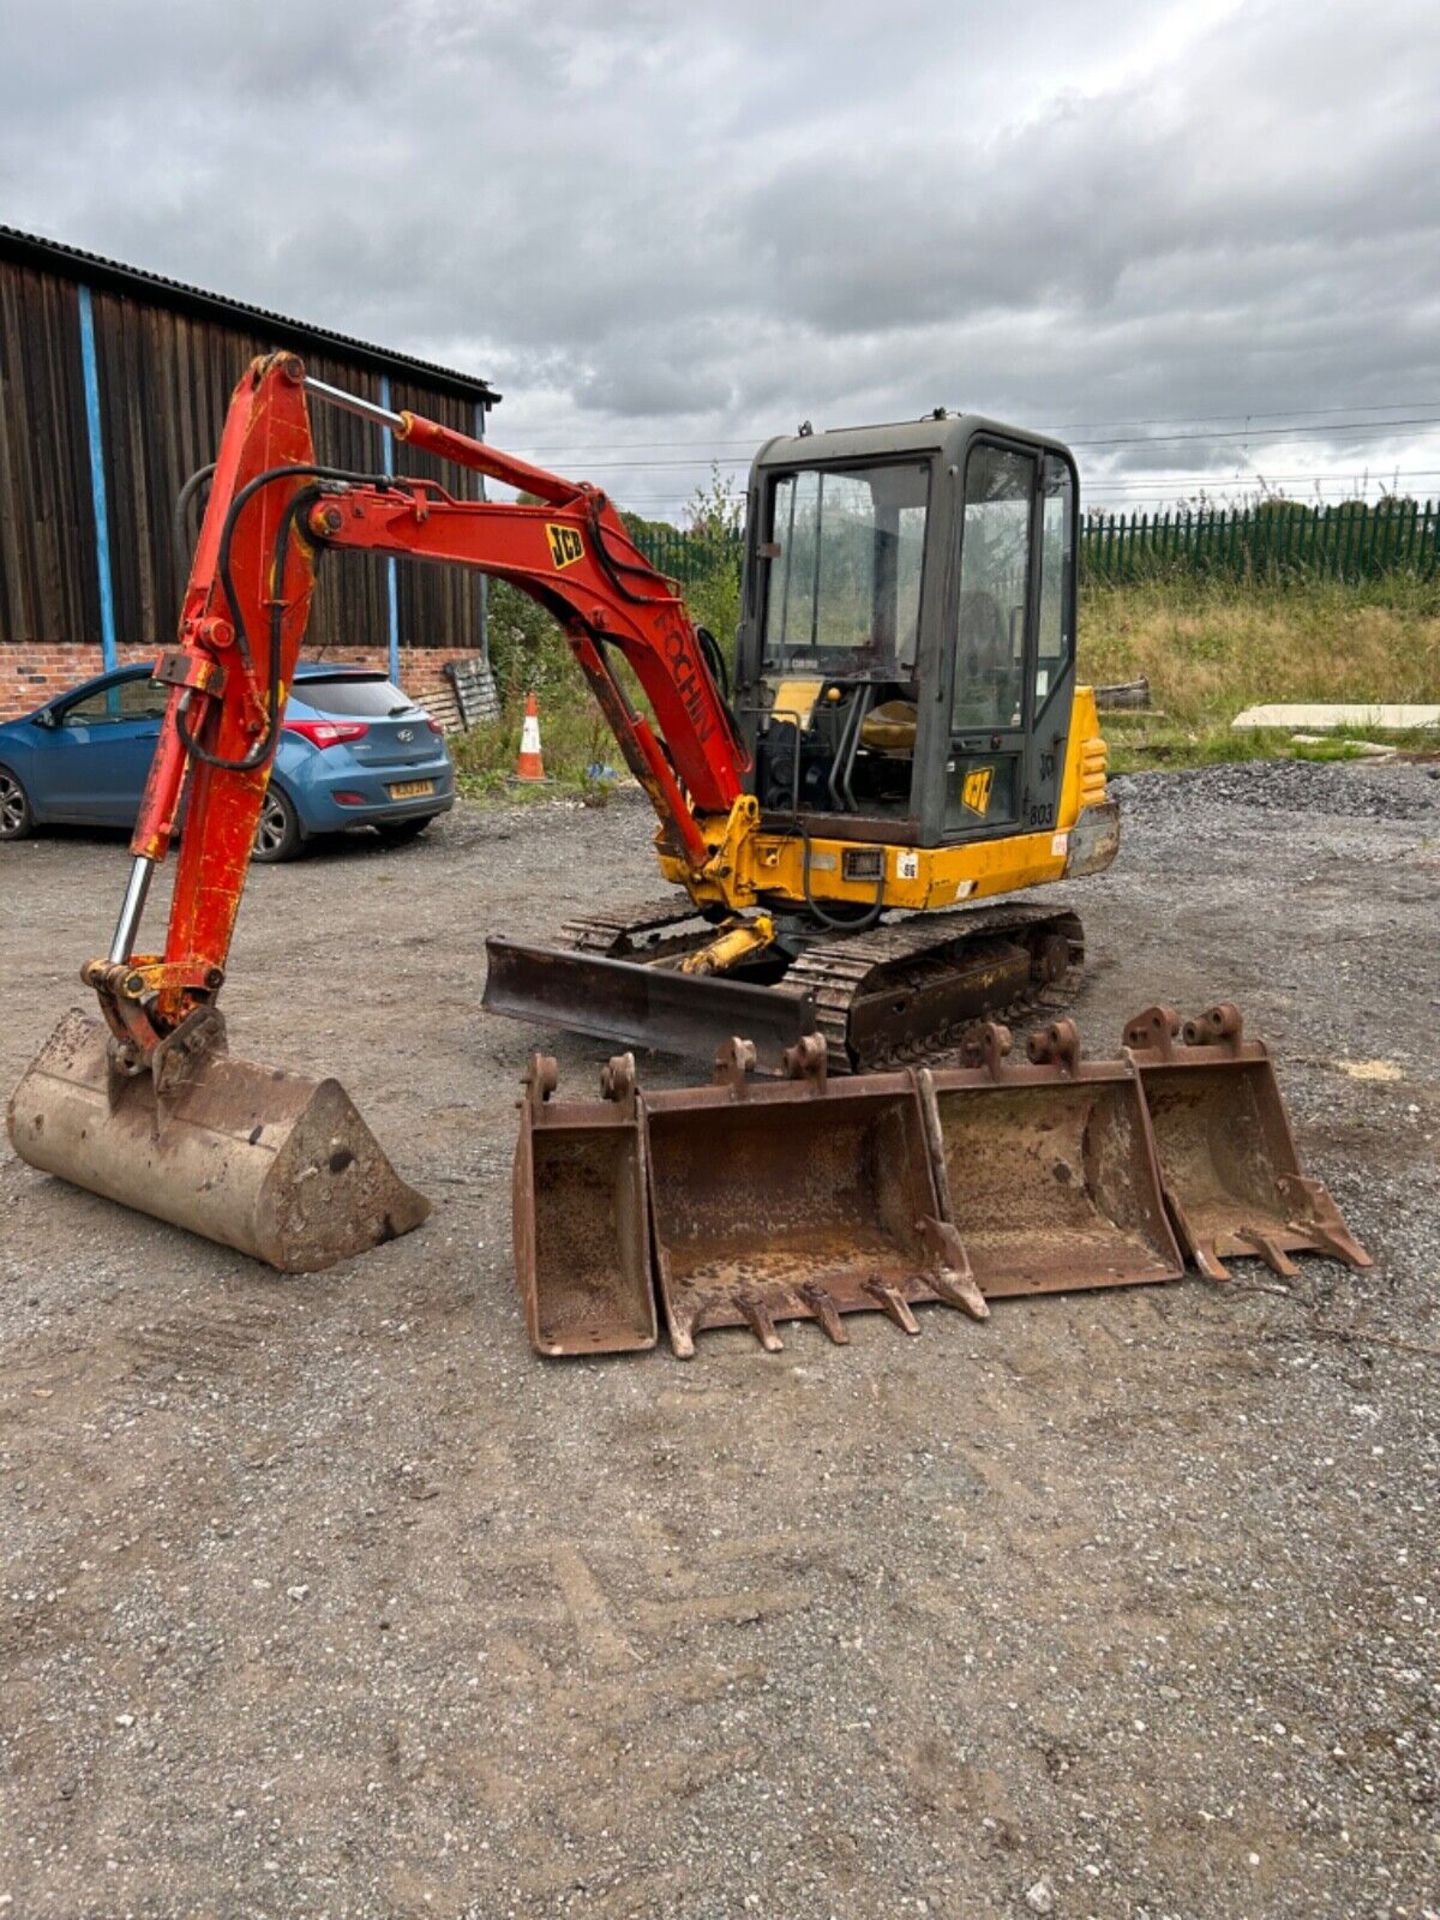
48, 580
165, 377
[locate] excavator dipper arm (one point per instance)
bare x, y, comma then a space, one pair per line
271, 507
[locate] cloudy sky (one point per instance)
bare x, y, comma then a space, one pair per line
1201, 241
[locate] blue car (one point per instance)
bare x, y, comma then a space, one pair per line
354, 751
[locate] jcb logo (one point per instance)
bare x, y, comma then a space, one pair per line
566, 546
976, 791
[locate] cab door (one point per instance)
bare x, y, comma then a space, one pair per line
1013, 654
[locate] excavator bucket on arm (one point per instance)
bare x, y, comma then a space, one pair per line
1046, 1169
582, 1235
808, 1198
148, 1108
1228, 1162
272, 1163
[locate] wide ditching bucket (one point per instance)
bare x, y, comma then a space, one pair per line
272, 1163
582, 1234
808, 1198
1046, 1168
1231, 1174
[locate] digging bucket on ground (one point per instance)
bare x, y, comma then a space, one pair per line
277, 1165
1231, 1174
582, 1236
808, 1198
1046, 1170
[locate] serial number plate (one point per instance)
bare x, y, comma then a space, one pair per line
411, 789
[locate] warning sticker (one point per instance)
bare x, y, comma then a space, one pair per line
907, 866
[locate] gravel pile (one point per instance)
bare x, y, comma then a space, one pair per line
1289, 786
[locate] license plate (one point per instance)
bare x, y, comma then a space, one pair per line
411, 789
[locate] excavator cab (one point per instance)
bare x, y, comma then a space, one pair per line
906, 662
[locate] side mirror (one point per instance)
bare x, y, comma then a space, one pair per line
46, 717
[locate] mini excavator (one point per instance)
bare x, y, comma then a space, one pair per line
903, 739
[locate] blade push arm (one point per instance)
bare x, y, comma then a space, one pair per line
243, 623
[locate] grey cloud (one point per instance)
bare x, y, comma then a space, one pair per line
704, 222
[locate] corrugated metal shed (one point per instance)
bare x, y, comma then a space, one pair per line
163, 359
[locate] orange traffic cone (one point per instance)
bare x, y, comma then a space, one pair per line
530, 766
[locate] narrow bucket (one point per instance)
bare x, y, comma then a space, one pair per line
805, 1199
1047, 1170
1228, 1162
582, 1239
274, 1164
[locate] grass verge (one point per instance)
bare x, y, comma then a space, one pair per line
1208, 649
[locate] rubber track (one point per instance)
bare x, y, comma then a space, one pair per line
613, 934
837, 971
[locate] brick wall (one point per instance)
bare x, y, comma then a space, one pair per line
31, 675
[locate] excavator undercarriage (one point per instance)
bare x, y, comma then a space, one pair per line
915, 988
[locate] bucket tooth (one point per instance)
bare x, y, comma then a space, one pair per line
1046, 1169
822, 1305
894, 1303
277, 1165
757, 1318
1269, 1250
1227, 1155
952, 1279
582, 1246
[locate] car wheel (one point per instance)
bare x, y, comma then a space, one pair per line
395, 833
277, 832
16, 817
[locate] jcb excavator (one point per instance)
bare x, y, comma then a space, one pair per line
904, 734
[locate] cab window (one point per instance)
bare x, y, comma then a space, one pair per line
1056, 638
994, 591
847, 546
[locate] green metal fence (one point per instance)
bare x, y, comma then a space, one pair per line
1352, 541
689, 556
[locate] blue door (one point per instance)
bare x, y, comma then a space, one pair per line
93, 764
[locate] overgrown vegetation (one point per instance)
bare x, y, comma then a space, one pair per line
1209, 647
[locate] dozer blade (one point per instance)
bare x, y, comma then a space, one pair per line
1047, 1170
582, 1238
647, 1007
277, 1165
1228, 1162
805, 1199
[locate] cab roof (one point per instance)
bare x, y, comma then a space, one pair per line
948, 436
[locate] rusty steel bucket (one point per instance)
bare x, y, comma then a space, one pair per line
582, 1235
808, 1198
279, 1166
1046, 1170
1228, 1162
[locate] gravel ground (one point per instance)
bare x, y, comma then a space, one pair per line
323, 1596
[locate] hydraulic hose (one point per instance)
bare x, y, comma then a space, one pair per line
264, 746
839, 924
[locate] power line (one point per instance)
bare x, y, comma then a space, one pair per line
1160, 420
1261, 433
